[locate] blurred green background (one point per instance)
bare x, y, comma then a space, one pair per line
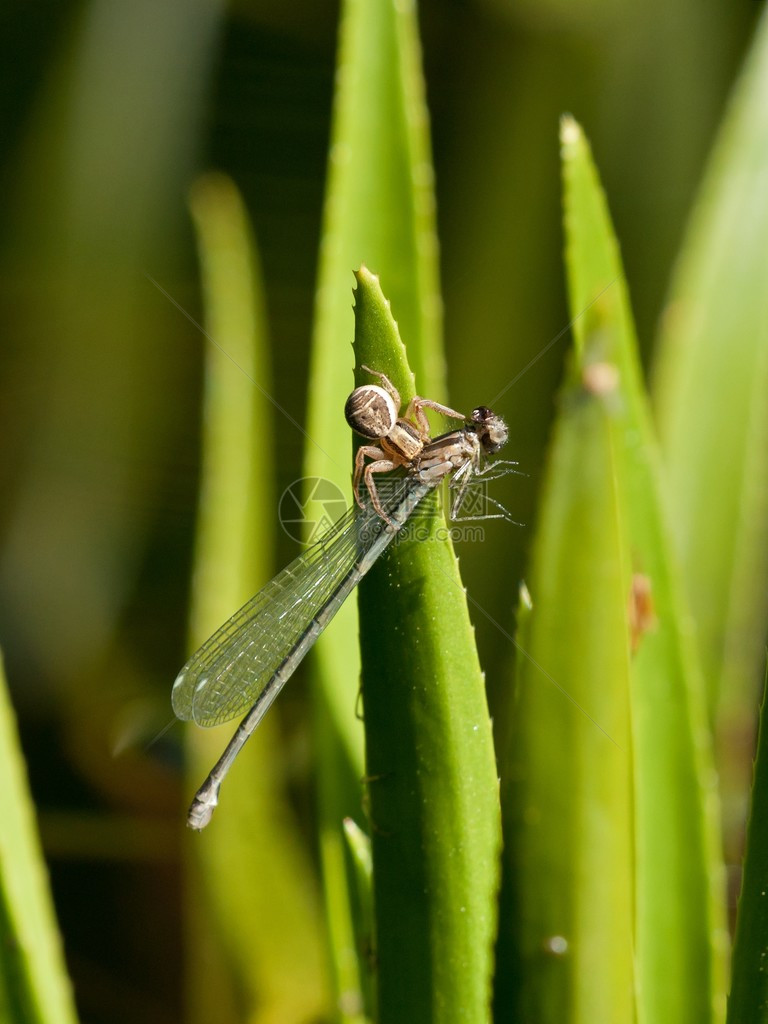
109, 113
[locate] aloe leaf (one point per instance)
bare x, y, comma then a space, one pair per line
261, 908
567, 770
379, 210
600, 833
710, 382
748, 1001
433, 791
682, 977
34, 987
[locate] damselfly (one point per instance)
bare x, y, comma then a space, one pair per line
246, 662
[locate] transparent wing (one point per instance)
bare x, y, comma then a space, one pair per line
226, 675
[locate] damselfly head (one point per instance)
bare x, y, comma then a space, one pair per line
491, 429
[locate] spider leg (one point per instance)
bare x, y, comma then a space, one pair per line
386, 384
366, 450
380, 466
415, 413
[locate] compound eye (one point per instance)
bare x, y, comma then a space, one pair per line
371, 412
481, 414
491, 429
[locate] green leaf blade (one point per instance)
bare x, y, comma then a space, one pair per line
34, 987
379, 210
710, 381
261, 907
567, 771
682, 975
433, 789
603, 546
710, 378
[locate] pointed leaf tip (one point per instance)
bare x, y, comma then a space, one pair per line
570, 130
